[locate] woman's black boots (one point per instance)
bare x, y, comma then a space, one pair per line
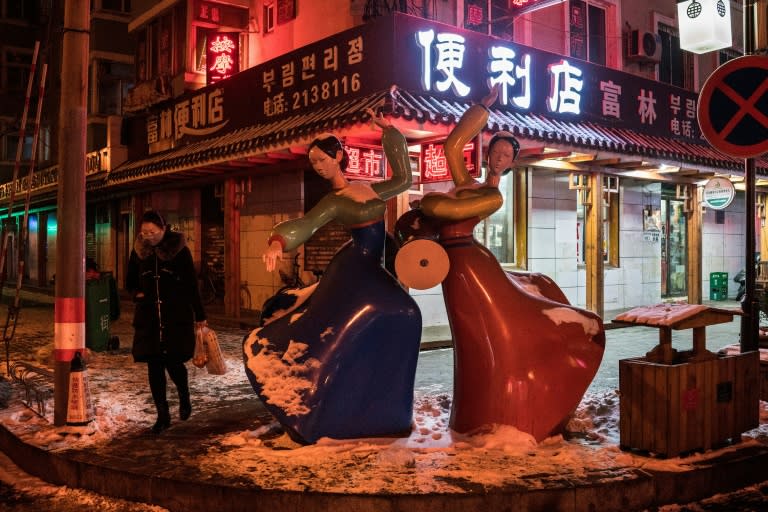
163, 418
185, 405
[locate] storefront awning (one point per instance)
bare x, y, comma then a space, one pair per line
257, 146
586, 135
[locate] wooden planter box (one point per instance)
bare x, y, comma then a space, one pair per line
688, 405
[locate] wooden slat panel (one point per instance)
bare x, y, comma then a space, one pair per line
625, 399
661, 414
648, 396
636, 404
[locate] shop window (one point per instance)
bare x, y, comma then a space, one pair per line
498, 23
17, 9
10, 142
160, 45
113, 80
676, 66
116, 5
17, 63
201, 42
727, 54
587, 31
497, 231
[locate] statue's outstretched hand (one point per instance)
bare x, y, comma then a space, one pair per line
274, 253
378, 120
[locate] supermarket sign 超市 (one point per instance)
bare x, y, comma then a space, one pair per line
718, 193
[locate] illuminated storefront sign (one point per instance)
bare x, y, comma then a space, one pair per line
465, 65
439, 62
223, 15
433, 166
718, 193
518, 7
199, 115
222, 56
365, 163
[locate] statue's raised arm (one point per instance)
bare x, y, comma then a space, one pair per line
469, 198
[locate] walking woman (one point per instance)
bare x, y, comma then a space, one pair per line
161, 276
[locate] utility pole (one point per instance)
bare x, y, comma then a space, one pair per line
69, 336
755, 14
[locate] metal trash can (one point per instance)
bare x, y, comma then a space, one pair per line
718, 286
97, 312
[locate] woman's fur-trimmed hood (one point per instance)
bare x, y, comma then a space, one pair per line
171, 244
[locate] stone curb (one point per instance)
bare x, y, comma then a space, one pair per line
645, 489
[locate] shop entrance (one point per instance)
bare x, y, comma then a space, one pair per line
674, 248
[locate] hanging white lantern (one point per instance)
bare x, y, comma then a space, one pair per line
705, 25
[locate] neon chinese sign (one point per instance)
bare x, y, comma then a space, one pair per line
434, 167
365, 163
222, 56
517, 7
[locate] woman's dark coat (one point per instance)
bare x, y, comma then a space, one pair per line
180, 305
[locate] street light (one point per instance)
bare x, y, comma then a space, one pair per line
705, 25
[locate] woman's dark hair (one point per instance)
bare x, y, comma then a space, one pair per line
153, 217
506, 136
330, 145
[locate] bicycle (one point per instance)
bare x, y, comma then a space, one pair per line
212, 288
211, 282
294, 280
245, 296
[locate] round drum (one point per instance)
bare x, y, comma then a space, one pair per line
421, 264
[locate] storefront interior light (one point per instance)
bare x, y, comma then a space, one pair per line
705, 25
666, 168
549, 163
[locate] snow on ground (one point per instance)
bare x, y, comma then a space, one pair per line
432, 459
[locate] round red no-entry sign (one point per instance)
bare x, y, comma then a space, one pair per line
733, 107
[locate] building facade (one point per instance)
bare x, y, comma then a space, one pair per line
606, 197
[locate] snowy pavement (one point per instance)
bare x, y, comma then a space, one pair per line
231, 441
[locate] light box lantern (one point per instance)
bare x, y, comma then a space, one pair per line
705, 25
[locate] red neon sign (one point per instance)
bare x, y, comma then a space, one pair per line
366, 163
434, 167
222, 56
522, 6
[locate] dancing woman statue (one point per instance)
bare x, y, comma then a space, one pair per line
342, 362
523, 355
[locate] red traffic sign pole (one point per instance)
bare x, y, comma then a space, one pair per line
733, 117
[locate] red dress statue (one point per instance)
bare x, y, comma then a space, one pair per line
523, 356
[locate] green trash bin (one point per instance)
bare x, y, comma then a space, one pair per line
97, 312
718, 286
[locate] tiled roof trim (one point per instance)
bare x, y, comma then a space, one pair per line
257, 139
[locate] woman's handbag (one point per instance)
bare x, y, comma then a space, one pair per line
214, 360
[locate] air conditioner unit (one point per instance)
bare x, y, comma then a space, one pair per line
644, 46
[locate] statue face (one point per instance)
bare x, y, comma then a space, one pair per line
323, 164
500, 157
152, 233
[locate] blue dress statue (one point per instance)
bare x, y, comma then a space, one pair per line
341, 362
